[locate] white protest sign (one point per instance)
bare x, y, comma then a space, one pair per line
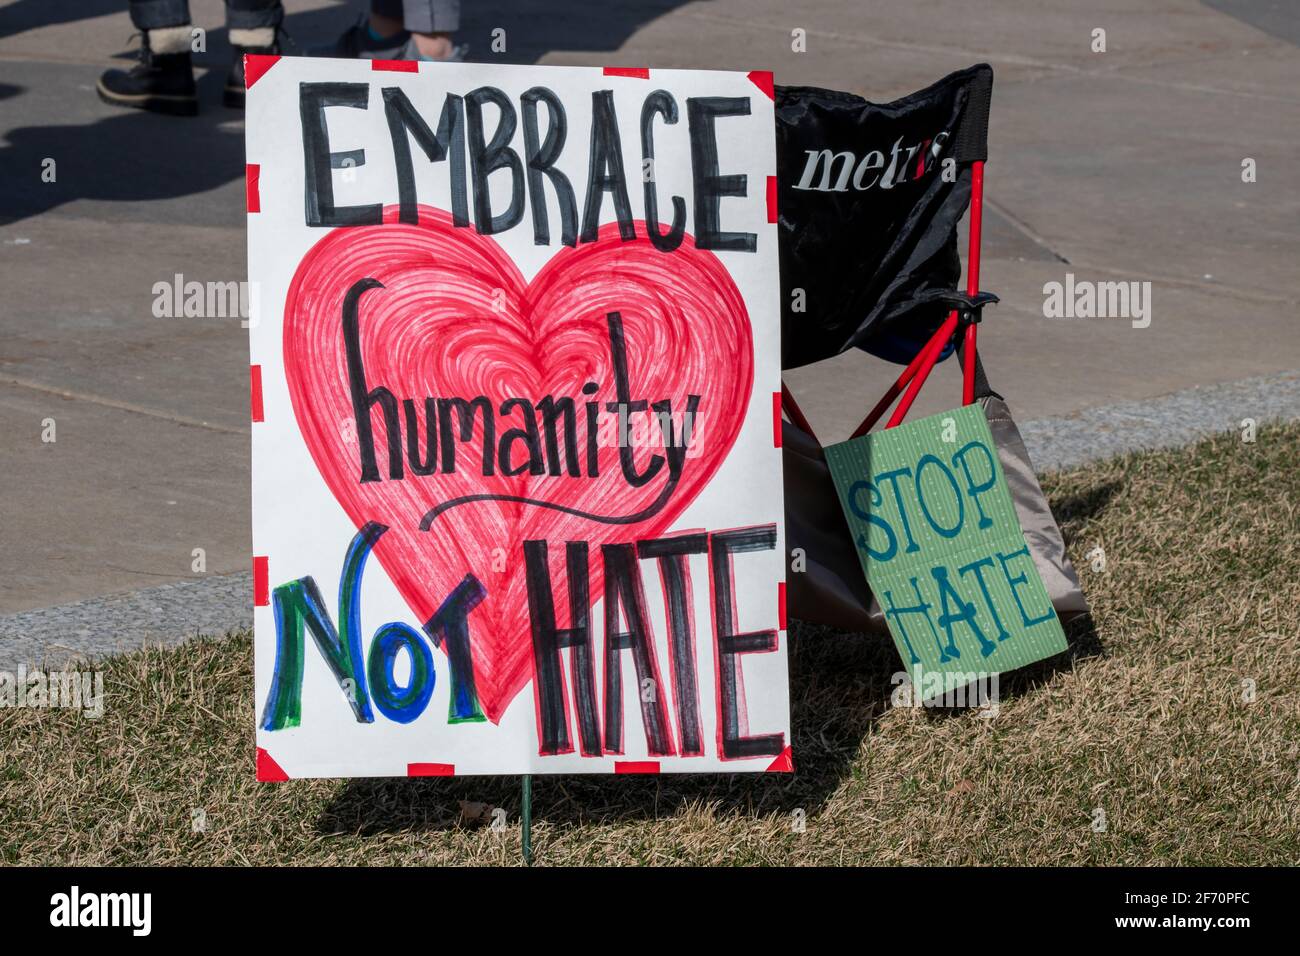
517, 496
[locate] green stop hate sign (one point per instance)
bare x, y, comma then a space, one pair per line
936, 531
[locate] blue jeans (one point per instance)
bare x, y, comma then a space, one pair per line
240, 14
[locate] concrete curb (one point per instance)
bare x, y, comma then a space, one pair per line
1167, 421
168, 614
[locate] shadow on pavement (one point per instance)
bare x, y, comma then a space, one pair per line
131, 156
134, 157
1277, 18
24, 15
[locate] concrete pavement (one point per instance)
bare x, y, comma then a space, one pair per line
1117, 165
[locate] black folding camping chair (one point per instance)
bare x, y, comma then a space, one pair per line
870, 198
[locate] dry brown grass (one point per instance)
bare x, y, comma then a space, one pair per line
1144, 718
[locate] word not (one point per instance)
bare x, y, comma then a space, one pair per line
461, 131
874, 160
1098, 300
371, 676
203, 300
73, 690
75, 908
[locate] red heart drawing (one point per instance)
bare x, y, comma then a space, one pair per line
455, 318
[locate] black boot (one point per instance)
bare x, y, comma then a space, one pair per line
233, 95
161, 83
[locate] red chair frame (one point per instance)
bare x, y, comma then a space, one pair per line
919, 369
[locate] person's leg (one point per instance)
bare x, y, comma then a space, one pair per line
165, 22
253, 23
385, 19
432, 23
253, 26
377, 35
401, 29
164, 79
